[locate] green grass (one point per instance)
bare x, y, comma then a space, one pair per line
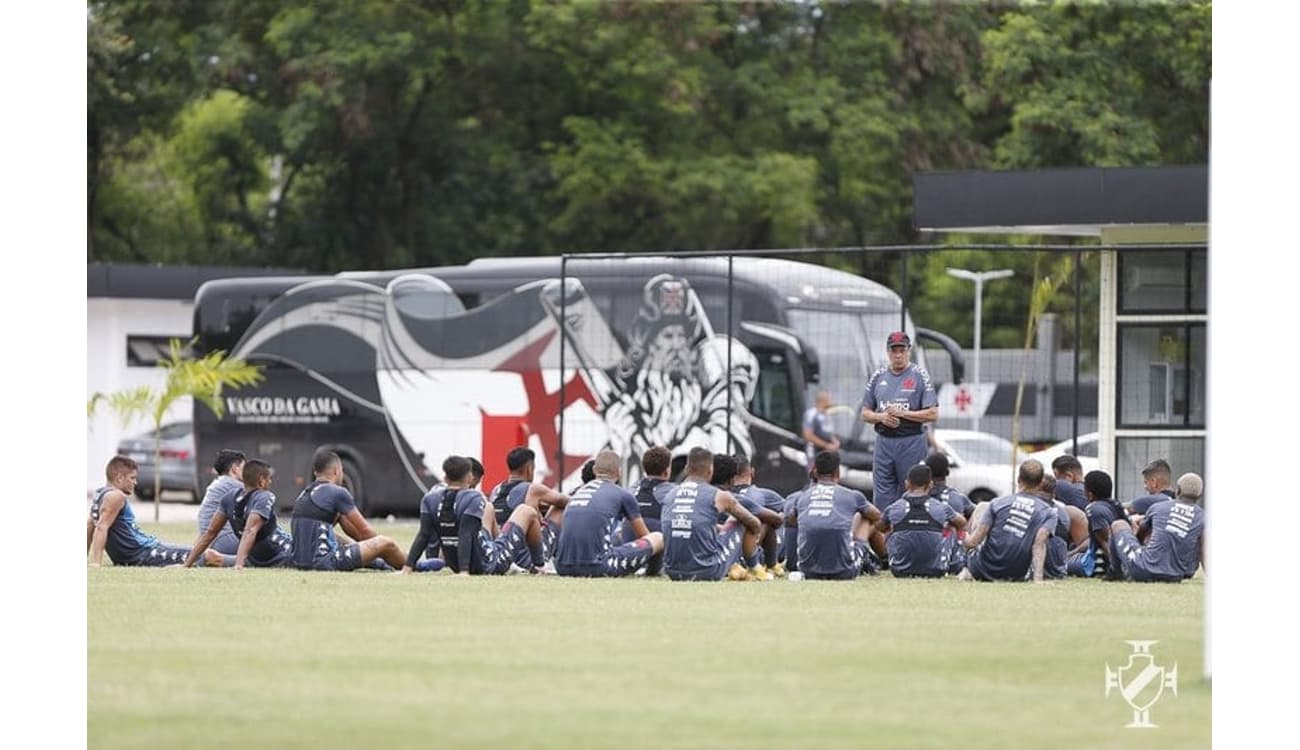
287, 659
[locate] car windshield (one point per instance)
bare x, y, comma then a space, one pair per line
979, 449
847, 355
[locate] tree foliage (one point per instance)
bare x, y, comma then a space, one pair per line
379, 133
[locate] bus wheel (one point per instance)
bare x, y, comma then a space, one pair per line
352, 481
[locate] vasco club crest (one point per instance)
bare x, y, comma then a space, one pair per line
1142, 682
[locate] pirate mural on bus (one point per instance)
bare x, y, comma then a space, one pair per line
450, 380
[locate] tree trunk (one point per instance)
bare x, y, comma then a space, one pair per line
157, 471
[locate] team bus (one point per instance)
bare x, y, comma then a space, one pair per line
395, 370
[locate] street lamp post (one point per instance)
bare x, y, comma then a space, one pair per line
979, 277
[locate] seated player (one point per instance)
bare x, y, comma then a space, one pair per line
743, 487
1102, 511
586, 547
464, 528
1157, 479
1069, 481
251, 514
111, 525
324, 503
696, 547
939, 489
918, 525
1007, 537
1170, 540
724, 473
520, 489
834, 523
229, 466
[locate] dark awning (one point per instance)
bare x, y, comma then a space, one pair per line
1076, 201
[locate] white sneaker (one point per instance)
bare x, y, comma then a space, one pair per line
515, 570
549, 568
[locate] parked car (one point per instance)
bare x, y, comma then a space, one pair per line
176, 460
982, 465
1087, 454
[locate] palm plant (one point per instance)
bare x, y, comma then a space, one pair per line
201, 378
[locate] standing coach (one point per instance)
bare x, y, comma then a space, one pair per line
899, 400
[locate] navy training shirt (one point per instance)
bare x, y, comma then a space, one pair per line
689, 521
589, 520
271, 540
1071, 493
910, 389
1006, 554
125, 542
825, 514
1173, 550
960, 503
916, 545
315, 512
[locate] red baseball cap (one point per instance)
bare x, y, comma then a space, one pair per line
897, 338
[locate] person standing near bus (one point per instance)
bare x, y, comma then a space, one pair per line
817, 430
899, 401
324, 503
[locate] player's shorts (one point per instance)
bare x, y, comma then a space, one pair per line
159, 555
550, 535
226, 543
1054, 565
615, 562
283, 557
342, 559
980, 570
1126, 555
857, 552
500, 552
729, 537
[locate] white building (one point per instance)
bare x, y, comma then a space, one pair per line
132, 312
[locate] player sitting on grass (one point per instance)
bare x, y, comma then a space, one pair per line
111, 525
1070, 529
724, 476
586, 546
1169, 542
324, 503
1007, 537
466, 528
918, 523
1069, 481
251, 514
1091, 557
833, 522
743, 487
696, 547
229, 466
520, 489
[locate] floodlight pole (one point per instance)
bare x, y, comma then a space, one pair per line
979, 277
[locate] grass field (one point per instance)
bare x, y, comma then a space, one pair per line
286, 659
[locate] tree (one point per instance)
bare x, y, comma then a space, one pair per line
202, 379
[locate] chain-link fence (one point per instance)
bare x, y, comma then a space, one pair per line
729, 350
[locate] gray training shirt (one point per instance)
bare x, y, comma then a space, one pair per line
825, 514
910, 389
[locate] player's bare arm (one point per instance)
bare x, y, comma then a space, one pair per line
978, 531
639, 528
879, 417
1039, 553
540, 495
246, 541
90, 532
872, 514
109, 508
354, 525
727, 503
770, 518
206, 539
958, 521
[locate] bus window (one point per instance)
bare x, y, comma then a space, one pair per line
773, 400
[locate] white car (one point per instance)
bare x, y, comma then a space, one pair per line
982, 466
1087, 454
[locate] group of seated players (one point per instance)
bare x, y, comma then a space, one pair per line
713, 524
